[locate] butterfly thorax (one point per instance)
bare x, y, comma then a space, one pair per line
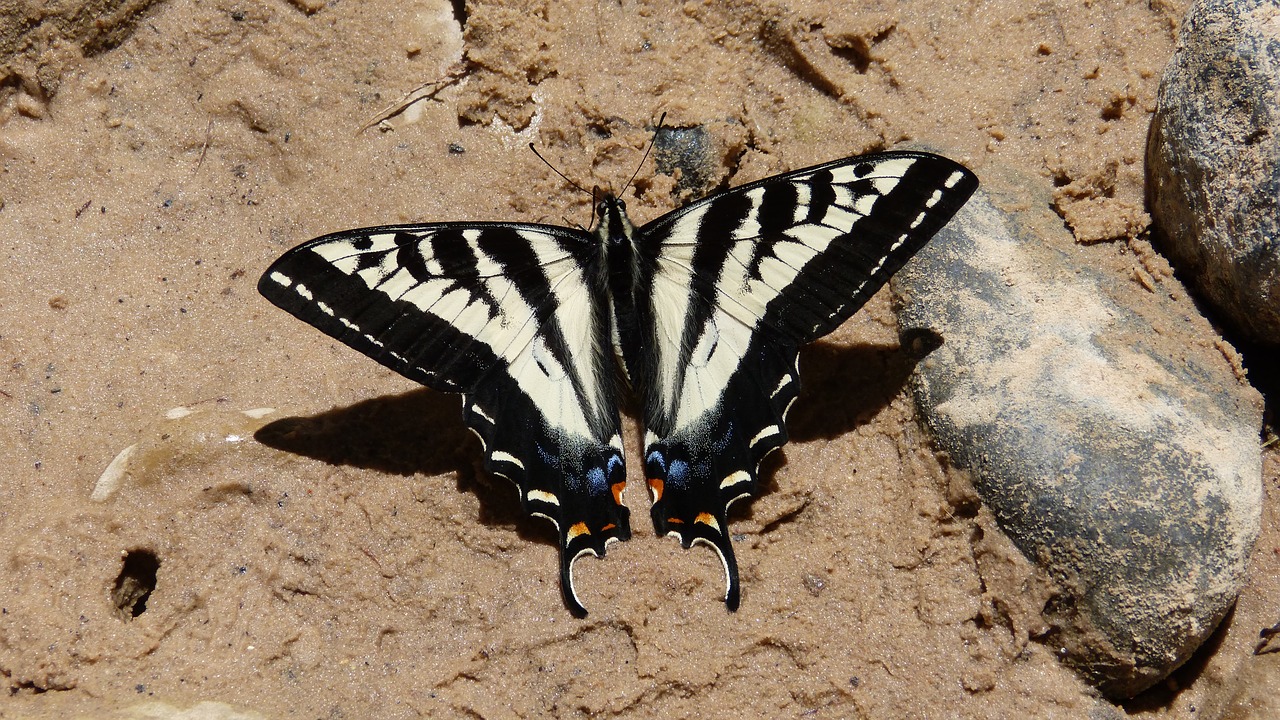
618, 237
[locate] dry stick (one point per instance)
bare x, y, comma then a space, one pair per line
204, 149
455, 73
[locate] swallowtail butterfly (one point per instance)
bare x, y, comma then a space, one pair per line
700, 313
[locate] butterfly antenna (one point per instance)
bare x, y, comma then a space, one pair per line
647, 150
557, 171
579, 188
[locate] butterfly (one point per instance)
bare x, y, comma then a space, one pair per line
698, 314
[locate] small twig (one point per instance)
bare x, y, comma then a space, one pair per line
204, 149
455, 73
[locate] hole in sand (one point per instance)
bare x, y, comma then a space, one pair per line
135, 583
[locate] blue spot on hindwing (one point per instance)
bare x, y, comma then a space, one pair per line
678, 474
656, 464
547, 458
723, 442
596, 480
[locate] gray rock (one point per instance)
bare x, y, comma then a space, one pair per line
691, 151
1102, 425
1213, 161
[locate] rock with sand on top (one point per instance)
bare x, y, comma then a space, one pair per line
1102, 424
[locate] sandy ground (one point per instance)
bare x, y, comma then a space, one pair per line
350, 560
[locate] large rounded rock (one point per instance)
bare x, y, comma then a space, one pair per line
1102, 425
1213, 160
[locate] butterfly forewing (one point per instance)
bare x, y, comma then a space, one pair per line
738, 282
513, 316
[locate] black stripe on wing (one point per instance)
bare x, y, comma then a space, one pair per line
803, 251
358, 286
901, 221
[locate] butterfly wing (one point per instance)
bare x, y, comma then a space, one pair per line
738, 282
513, 317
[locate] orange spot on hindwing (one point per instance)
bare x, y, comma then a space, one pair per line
655, 487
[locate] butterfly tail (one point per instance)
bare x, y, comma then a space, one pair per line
579, 538
588, 518
691, 508
718, 540
575, 483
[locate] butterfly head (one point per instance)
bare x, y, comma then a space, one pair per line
614, 227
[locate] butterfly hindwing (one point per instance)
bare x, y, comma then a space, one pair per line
737, 283
512, 316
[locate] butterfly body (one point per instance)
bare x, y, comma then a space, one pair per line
703, 311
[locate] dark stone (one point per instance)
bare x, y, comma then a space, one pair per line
1101, 424
1213, 161
690, 151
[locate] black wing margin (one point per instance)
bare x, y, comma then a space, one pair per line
512, 317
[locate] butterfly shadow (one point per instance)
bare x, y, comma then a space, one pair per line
417, 432
421, 431
843, 387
